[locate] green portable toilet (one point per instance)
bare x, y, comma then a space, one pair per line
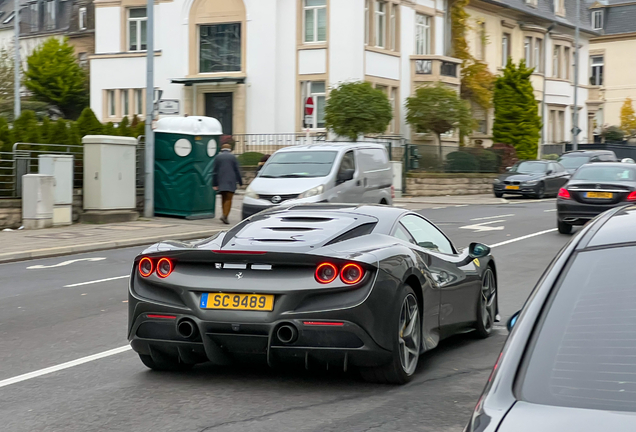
185, 148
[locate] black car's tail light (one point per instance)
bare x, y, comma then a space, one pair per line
631, 196
351, 273
326, 273
564, 193
164, 267
145, 267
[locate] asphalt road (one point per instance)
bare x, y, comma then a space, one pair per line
47, 319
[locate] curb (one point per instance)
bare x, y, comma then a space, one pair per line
94, 247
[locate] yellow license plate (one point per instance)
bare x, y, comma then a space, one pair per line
603, 195
252, 302
512, 187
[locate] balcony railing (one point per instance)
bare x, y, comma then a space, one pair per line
431, 68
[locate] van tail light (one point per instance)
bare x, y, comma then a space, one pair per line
564, 194
164, 267
631, 196
145, 267
351, 273
326, 273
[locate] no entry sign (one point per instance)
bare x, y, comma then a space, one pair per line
309, 106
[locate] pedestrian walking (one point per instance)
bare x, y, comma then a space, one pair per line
225, 176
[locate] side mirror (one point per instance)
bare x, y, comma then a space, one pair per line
508, 168
550, 172
478, 250
345, 176
513, 319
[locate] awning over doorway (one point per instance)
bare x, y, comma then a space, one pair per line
207, 80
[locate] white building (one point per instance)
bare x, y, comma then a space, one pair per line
252, 63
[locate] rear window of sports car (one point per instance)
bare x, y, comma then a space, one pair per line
584, 355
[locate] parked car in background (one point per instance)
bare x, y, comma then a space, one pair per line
330, 172
531, 178
593, 189
575, 159
568, 364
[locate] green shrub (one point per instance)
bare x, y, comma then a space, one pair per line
87, 123
250, 158
461, 161
551, 157
488, 161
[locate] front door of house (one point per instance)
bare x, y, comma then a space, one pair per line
219, 106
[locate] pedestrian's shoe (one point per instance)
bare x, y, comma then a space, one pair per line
224, 220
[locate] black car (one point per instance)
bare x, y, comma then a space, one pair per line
569, 363
531, 178
340, 285
593, 189
571, 161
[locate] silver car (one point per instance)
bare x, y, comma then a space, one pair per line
330, 172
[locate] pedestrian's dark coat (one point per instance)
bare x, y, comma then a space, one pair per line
225, 172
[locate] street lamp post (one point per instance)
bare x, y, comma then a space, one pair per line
16, 63
575, 117
149, 184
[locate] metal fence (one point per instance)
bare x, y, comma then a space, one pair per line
621, 150
452, 159
7, 175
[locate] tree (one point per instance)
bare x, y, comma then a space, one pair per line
109, 129
6, 136
124, 128
7, 76
60, 132
613, 134
25, 128
54, 76
438, 109
87, 123
517, 120
628, 118
357, 108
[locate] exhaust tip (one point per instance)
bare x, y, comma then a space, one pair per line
186, 328
287, 334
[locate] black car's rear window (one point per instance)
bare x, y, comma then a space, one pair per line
584, 355
604, 173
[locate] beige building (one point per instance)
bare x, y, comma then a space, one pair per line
543, 36
613, 56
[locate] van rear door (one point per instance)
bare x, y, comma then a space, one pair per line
376, 175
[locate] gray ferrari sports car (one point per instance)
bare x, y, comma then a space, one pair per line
370, 287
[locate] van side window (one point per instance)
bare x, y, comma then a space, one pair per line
348, 162
373, 159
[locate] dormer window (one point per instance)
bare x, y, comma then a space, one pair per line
597, 19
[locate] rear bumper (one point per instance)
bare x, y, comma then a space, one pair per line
577, 213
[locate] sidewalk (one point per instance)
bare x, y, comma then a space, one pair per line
483, 199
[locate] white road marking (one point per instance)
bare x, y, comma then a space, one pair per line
492, 217
482, 226
548, 211
522, 238
95, 281
65, 263
437, 208
70, 364
463, 205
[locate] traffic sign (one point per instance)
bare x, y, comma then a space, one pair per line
309, 106
168, 106
576, 130
309, 120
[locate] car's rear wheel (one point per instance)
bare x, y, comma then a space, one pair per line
161, 362
540, 194
499, 194
407, 342
487, 304
564, 227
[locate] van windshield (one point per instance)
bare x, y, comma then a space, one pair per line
297, 164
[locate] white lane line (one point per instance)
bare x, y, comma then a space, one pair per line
548, 211
437, 208
463, 205
522, 238
95, 281
65, 263
72, 363
492, 217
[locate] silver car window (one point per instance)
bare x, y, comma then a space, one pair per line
426, 235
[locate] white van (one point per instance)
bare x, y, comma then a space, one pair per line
329, 172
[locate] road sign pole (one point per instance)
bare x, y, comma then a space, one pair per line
575, 117
17, 109
149, 185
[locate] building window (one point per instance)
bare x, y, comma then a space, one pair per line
317, 91
110, 100
220, 48
538, 55
393, 27
34, 17
505, 49
556, 62
597, 71
531, 2
597, 19
422, 34
480, 43
380, 24
82, 18
125, 103
139, 102
137, 20
49, 15
527, 50
557, 126
567, 64
315, 20
560, 7
83, 59
366, 22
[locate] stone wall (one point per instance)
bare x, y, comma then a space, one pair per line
10, 213
425, 184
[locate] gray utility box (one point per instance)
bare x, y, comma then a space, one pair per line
61, 168
37, 201
109, 172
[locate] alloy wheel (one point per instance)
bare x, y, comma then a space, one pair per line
487, 300
409, 334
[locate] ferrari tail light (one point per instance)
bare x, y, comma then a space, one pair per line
351, 273
326, 273
164, 267
324, 323
631, 196
564, 193
145, 267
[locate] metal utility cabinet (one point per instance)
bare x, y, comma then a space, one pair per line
37, 201
61, 168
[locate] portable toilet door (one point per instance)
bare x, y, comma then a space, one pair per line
185, 148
